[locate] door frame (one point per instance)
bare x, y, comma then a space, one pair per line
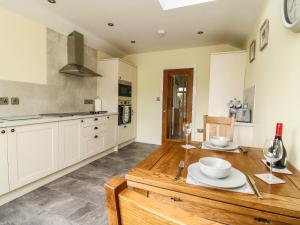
194, 67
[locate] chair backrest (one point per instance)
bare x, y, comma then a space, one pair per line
218, 126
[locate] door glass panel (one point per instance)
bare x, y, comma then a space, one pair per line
177, 106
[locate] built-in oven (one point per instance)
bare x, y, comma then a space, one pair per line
124, 110
125, 89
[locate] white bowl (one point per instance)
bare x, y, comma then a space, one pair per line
219, 141
215, 167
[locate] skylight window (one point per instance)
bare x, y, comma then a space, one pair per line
173, 4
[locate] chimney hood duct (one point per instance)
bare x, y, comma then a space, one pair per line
75, 65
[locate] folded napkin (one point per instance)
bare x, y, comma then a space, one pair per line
246, 188
276, 170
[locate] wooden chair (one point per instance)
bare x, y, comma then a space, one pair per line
129, 207
218, 126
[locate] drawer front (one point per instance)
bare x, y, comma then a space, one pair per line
93, 145
93, 121
92, 130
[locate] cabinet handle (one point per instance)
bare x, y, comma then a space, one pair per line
120, 78
96, 128
108, 117
96, 119
81, 121
96, 136
125, 126
262, 220
12, 130
3, 132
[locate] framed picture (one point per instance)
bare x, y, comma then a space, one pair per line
252, 51
264, 35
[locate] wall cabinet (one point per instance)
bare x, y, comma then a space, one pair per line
4, 185
32, 153
69, 143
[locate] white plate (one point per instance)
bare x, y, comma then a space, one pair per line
230, 147
235, 179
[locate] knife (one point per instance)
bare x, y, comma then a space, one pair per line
180, 168
254, 187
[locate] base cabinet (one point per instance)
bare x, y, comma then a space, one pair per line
32, 153
4, 185
124, 133
69, 143
110, 132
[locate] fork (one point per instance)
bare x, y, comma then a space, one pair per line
180, 168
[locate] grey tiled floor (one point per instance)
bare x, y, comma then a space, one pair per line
77, 198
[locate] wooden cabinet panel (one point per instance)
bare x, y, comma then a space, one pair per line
92, 145
4, 185
124, 133
32, 153
110, 137
125, 71
69, 143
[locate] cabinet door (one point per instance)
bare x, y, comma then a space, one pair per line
92, 145
124, 133
134, 104
125, 71
110, 137
32, 153
69, 142
4, 185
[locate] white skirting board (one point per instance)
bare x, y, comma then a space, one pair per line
39, 183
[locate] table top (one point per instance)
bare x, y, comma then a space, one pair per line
160, 168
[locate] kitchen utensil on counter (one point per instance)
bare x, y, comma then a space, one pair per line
254, 187
215, 167
97, 104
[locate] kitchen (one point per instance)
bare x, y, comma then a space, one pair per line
88, 138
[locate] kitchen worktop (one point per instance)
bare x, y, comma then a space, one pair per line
50, 119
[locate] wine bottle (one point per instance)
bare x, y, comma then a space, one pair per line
278, 137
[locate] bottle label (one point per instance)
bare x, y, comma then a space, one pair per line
279, 129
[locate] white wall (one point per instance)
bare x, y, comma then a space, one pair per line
23, 49
276, 75
150, 67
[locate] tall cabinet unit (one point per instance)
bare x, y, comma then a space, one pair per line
4, 184
114, 70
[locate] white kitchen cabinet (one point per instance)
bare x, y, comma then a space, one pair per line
4, 184
227, 72
110, 131
32, 153
69, 142
124, 133
112, 71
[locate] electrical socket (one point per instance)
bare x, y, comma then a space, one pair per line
4, 100
88, 101
14, 101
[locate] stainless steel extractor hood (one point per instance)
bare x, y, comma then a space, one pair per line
76, 57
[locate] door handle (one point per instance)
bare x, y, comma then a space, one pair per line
164, 111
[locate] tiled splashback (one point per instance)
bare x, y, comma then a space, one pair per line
62, 93
249, 98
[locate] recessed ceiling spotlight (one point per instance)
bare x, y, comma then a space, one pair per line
110, 24
200, 32
132, 42
52, 1
161, 32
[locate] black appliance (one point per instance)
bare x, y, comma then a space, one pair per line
125, 89
124, 110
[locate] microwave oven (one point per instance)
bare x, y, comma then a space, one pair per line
125, 89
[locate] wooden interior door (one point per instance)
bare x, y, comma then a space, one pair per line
169, 112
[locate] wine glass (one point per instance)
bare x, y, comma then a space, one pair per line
187, 130
272, 152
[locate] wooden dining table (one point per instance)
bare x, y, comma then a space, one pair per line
149, 194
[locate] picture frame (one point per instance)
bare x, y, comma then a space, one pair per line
264, 35
252, 51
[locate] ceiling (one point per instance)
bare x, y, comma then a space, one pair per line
223, 21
